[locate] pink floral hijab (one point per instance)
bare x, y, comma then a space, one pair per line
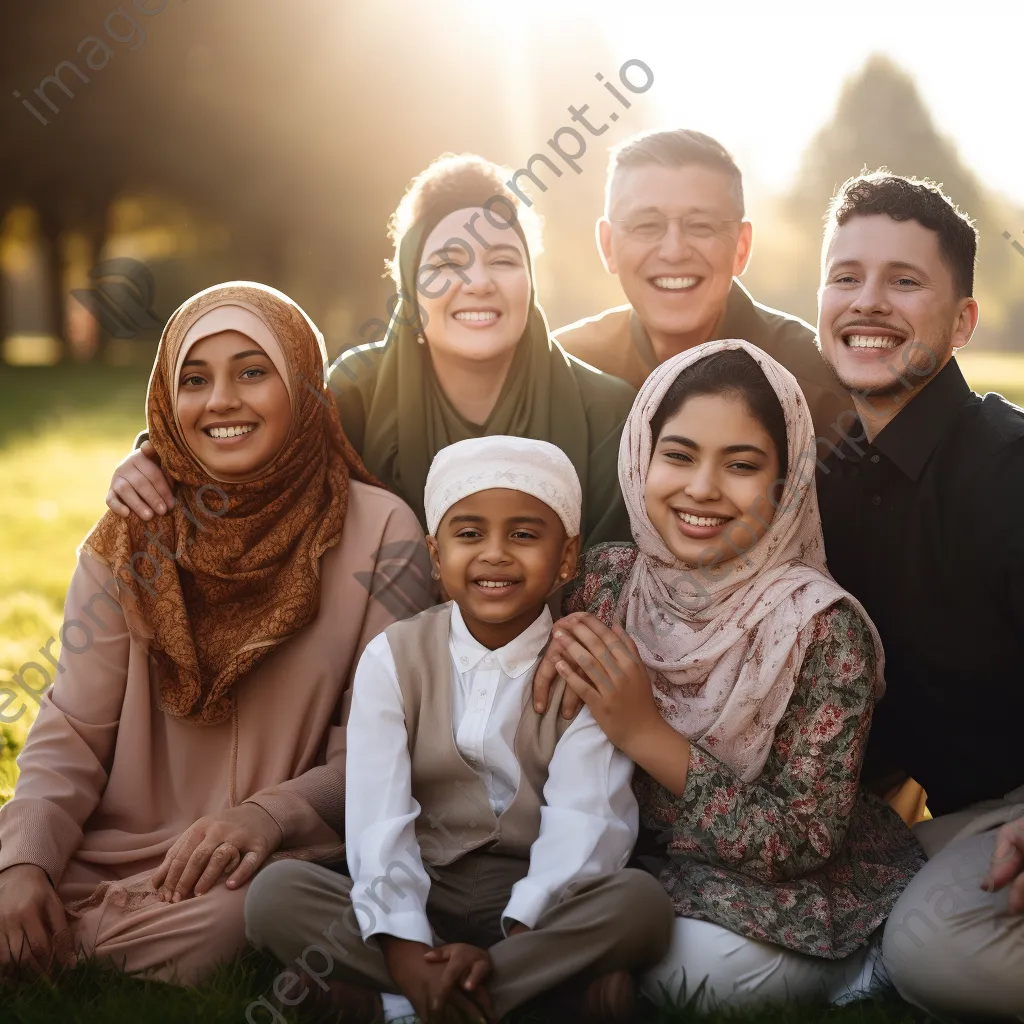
724, 644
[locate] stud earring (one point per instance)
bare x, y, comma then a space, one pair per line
421, 338
564, 575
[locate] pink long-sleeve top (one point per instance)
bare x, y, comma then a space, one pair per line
108, 781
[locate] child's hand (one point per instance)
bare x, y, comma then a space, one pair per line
417, 980
422, 980
466, 966
611, 679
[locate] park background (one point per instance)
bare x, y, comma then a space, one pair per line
215, 139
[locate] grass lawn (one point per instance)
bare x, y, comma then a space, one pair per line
90, 995
61, 433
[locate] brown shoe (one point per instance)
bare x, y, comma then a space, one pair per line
610, 999
355, 1003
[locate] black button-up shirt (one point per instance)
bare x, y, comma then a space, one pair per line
926, 527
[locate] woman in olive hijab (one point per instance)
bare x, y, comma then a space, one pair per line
468, 353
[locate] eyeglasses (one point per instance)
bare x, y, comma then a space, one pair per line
651, 227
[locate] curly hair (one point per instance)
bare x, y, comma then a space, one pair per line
453, 174
910, 199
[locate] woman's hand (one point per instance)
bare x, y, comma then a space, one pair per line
604, 669
34, 933
234, 842
547, 672
610, 677
139, 486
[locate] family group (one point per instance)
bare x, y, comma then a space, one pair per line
668, 653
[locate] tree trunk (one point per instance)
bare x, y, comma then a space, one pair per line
50, 225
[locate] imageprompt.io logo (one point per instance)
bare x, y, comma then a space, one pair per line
1016, 245
121, 298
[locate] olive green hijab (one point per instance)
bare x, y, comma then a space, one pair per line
410, 418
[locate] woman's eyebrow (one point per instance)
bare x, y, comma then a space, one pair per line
733, 449
679, 439
237, 355
456, 245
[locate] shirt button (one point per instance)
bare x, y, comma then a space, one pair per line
876, 499
483, 693
875, 458
464, 660
511, 666
488, 660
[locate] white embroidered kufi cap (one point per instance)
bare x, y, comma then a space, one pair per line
516, 463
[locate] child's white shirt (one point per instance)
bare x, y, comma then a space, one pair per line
589, 818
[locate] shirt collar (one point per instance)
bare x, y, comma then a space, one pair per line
514, 658
738, 307
736, 317
910, 438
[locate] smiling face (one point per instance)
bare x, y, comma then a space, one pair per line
887, 306
710, 480
474, 295
678, 285
500, 554
232, 406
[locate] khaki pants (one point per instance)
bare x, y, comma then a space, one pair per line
303, 914
950, 947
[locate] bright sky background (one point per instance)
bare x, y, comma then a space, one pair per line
773, 72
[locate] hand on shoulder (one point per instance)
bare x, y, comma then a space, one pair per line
139, 486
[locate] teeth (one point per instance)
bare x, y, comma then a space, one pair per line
468, 315
675, 283
229, 431
870, 341
494, 584
701, 520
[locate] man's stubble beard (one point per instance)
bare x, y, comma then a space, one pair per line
910, 376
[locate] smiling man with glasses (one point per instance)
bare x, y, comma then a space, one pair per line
675, 234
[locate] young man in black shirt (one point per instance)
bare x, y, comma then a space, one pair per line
923, 512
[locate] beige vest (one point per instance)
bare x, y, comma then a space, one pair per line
455, 813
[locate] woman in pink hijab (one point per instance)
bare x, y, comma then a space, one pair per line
720, 655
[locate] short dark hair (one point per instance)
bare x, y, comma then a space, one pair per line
681, 147
911, 199
732, 372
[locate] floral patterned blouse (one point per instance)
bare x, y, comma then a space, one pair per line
802, 856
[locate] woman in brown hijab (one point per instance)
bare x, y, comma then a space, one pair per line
195, 728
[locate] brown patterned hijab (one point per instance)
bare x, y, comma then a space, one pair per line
233, 569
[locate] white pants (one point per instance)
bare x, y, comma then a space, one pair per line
710, 967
